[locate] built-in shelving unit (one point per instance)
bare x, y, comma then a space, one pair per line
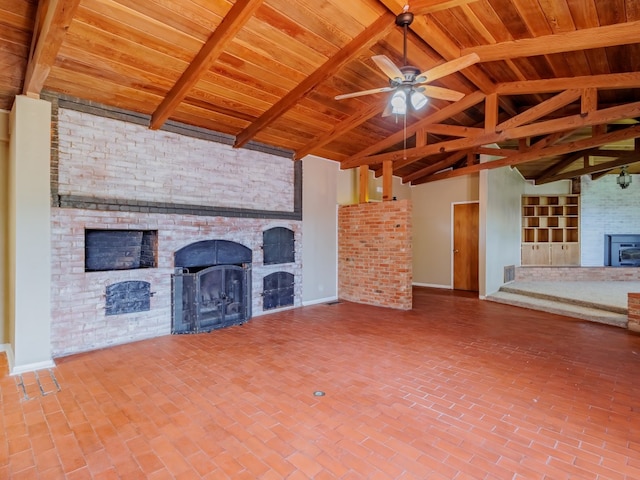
550, 230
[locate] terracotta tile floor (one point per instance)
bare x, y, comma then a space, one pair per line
457, 388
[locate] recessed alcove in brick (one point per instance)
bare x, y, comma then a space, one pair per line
119, 249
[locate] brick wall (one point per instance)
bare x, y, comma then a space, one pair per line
375, 255
78, 297
634, 312
103, 157
114, 174
605, 208
577, 274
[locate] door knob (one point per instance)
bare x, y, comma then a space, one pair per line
456, 251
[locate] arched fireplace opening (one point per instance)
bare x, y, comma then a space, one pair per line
211, 286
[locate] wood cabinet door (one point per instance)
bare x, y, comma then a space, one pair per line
535, 254
565, 254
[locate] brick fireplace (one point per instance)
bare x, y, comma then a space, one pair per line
174, 187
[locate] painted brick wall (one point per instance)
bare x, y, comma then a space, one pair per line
605, 208
108, 158
634, 312
78, 298
375, 255
102, 157
578, 274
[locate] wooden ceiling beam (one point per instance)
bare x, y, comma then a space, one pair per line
239, 14
551, 140
436, 167
422, 7
579, 145
541, 110
436, 117
559, 166
602, 167
583, 39
48, 34
341, 128
452, 130
410, 155
372, 33
608, 81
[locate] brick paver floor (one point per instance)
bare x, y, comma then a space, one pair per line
457, 388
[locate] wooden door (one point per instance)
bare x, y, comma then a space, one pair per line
465, 246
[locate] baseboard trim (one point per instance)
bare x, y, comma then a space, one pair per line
32, 367
319, 300
432, 285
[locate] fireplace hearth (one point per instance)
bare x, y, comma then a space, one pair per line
211, 286
622, 250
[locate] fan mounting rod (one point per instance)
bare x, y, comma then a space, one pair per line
403, 20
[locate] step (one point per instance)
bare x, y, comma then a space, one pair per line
584, 301
559, 307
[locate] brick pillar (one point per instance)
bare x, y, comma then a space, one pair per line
634, 312
374, 254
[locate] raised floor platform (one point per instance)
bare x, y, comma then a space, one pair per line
597, 301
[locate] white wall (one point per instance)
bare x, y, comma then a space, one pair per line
432, 227
4, 185
319, 226
500, 192
605, 208
29, 234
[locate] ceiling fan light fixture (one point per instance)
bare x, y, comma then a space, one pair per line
624, 179
399, 102
418, 100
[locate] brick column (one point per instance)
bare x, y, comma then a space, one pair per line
375, 255
634, 312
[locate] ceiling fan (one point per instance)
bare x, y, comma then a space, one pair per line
408, 83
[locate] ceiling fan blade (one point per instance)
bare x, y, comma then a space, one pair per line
441, 93
449, 67
388, 67
364, 92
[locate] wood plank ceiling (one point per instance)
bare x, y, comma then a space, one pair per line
556, 91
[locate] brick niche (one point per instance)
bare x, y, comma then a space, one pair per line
375, 255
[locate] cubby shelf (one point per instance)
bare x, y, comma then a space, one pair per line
550, 230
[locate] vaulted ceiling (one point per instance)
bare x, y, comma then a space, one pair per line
555, 92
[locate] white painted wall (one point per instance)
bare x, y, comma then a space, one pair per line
432, 227
29, 234
4, 186
319, 226
500, 218
605, 208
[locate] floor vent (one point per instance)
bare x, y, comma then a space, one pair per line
333, 302
37, 384
509, 273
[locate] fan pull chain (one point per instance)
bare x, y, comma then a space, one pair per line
404, 152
